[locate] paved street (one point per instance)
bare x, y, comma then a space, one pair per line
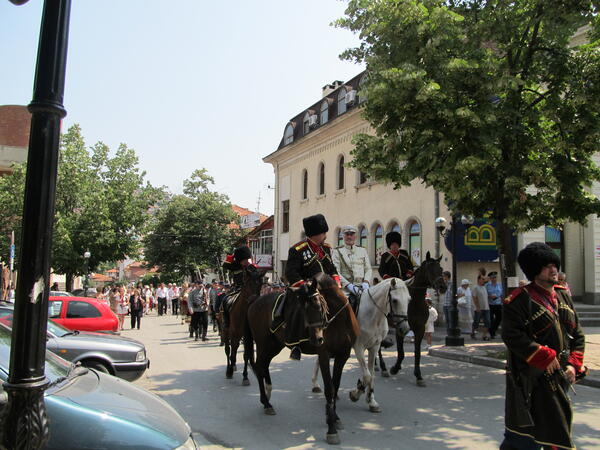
461, 407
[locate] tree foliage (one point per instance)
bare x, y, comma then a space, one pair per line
191, 231
484, 101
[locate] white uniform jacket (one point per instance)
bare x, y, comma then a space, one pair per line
352, 264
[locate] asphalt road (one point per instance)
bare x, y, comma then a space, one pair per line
461, 406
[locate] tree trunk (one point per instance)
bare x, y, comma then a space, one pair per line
68, 282
507, 257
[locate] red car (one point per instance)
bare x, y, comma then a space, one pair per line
82, 313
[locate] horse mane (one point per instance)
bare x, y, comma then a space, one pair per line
328, 285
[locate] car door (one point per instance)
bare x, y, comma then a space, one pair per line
83, 315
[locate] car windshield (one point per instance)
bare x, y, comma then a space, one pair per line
56, 367
6, 317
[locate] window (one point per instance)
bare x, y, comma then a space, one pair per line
378, 243
304, 184
341, 103
285, 216
54, 307
288, 136
363, 236
305, 124
395, 227
362, 177
321, 179
340, 177
340, 238
324, 113
554, 239
414, 242
81, 310
265, 243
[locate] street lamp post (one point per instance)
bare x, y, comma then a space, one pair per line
86, 280
25, 423
454, 338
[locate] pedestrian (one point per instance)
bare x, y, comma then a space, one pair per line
464, 301
136, 308
122, 306
113, 300
447, 305
173, 296
545, 355
481, 308
161, 296
495, 300
430, 324
55, 287
199, 304
183, 302
221, 296
212, 297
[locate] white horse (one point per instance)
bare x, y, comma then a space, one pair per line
389, 298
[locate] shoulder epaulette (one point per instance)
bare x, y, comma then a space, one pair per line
514, 294
300, 245
560, 286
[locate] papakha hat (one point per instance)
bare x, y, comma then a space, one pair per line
393, 236
534, 257
314, 225
242, 253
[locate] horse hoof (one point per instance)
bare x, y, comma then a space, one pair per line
246, 382
385, 374
339, 425
374, 409
333, 439
270, 411
394, 370
353, 396
421, 383
316, 389
229, 375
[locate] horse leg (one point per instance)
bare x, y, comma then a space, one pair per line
229, 370
359, 352
373, 405
384, 371
261, 370
338, 368
419, 333
248, 356
235, 344
332, 434
315, 383
400, 346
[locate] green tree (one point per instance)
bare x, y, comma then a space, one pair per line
484, 101
191, 231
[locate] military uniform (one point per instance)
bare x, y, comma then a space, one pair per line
233, 264
353, 265
306, 259
398, 265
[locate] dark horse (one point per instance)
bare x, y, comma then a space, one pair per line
236, 329
427, 275
333, 328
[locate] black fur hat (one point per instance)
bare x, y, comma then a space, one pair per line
314, 225
393, 236
242, 253
534, 257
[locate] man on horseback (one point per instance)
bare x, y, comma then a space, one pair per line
396, 262
305, 259
237, 264
353, 266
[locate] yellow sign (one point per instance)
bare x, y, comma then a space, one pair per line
481, 237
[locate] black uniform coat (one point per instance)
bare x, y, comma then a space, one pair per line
303, 262
400, 266
535, 329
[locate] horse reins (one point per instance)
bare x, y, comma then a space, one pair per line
391, 313
325, 309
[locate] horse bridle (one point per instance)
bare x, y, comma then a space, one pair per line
411, 280
389, 314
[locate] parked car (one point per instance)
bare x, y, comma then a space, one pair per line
60, 294
82, 313
89, 409
116, 355
89, 292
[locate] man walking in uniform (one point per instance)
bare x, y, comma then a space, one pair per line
353, 265
305, 259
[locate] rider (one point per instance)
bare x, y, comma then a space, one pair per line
353, 265
237, 263
396, 262
305, 259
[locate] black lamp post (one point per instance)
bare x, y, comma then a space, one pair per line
25, 424
86, 280
454, 338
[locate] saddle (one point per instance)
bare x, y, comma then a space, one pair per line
230, 301
277, 315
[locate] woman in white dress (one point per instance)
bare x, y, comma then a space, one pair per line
464, 300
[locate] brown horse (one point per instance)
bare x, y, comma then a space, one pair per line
428, 275
233, 333
333, 328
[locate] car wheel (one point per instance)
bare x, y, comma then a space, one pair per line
98, 366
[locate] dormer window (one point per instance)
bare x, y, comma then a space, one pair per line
288, 136
305, 124
341, 102
324, 112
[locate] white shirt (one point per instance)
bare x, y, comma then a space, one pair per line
161, 293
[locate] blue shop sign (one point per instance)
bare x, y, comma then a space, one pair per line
477, 243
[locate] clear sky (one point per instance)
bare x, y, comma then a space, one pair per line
187, 83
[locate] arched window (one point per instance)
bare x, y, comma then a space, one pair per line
414, 242
378, 243
324, 113
341, 102
304, 184
554, 238
288, 136
340, 237
340, 174
363, 236
305, 124
321, 179
395, 227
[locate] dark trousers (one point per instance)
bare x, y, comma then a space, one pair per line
447, 318
496, 318
174, 306
162, 306
200, 324
136, 317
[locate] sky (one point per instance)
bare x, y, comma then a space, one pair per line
188, 84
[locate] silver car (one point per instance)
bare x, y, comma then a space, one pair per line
116, 355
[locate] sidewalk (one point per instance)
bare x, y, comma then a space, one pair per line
491, 353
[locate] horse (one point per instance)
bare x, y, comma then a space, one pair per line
236, 329
427, 275
386, 300
332, 326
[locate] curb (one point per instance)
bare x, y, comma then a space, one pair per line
495, 363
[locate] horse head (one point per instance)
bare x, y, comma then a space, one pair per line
429, 274
253, 281
398, 299
313, 305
